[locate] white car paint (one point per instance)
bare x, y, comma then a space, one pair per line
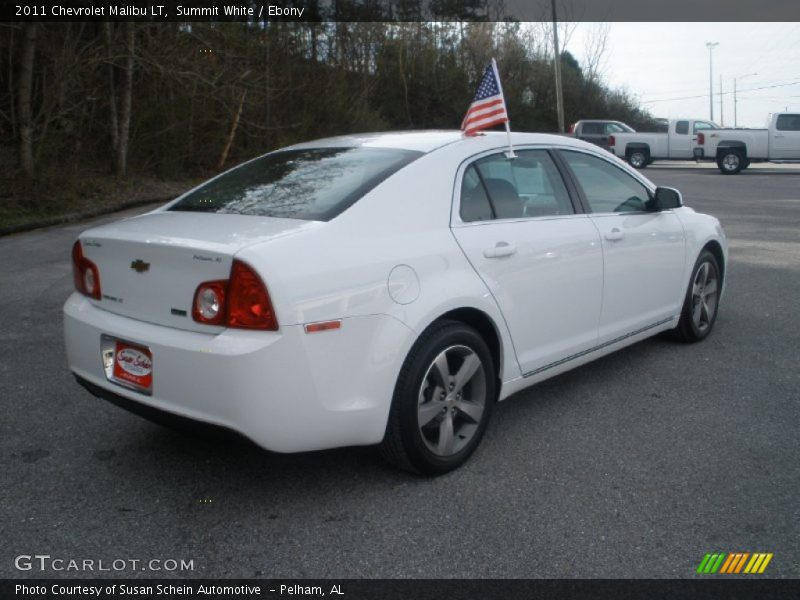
387, 267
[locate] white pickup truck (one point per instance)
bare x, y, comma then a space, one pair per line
735, 149
678, 143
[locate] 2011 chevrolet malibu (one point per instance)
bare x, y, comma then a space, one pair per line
385, 289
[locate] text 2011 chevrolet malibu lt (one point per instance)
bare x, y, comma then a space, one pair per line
385, 289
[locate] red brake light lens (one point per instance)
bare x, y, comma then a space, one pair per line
572, 128
84, 273
612, 140
701, 138
249, 305
241, 301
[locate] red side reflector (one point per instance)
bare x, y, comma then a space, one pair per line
322, 326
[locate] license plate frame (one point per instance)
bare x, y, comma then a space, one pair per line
128, 364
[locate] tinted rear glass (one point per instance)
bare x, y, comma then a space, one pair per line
314, 184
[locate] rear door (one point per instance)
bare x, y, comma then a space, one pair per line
539, 256
643, 251
594, 132
786, 137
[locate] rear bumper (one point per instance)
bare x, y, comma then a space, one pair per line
288, 391
151, 413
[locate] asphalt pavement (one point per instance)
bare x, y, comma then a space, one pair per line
636, 465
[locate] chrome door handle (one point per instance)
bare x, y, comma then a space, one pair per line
500, 249
778, 135
615, 234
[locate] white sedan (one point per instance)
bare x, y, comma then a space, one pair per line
385, 288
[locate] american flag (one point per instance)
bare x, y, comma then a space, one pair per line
488, 106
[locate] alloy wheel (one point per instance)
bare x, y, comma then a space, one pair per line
705, 295
452, 400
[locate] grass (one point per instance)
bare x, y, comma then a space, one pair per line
49, 199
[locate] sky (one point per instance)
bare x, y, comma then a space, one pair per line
665, 66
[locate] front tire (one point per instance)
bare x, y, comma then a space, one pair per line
701, 304
730, 162
442, 402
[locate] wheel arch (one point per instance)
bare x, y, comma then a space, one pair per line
634, 146
731, 144
715, 248
486, 328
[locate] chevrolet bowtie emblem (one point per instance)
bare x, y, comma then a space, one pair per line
140, 266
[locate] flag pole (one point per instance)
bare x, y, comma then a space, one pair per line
510, 154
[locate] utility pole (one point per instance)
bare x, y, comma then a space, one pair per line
557, 62
721, 111
711, 46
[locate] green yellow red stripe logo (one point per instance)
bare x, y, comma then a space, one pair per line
732, 563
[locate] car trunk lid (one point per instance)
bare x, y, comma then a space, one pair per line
151, 265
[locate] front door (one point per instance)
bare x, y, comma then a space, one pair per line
643, 251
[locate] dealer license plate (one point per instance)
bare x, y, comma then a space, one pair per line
128, 364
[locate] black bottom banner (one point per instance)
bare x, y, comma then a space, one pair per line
401, 589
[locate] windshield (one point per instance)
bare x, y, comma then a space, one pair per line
314, 184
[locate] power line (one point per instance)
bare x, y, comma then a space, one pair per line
766, 87
768, 82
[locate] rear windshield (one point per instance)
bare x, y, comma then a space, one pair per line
314, 184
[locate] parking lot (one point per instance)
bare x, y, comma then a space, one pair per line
635, 465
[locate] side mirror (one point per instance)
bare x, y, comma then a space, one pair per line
667, 198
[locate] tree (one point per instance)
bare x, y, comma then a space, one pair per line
24, 99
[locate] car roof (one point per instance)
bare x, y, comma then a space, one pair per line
428, 141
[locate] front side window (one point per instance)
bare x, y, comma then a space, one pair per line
617, 128
529, 185
682, 127
607, 188
788, 123
703, 125
315, 184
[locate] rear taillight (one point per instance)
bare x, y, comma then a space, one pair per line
209, 303
571, 128
701, 139
612, 141
85, 273
242, 301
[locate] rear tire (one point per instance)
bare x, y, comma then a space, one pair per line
730, 162
442, 401
638, 159
701, 304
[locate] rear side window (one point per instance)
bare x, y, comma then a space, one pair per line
788, 123
527, 186
315, 184
682, 127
